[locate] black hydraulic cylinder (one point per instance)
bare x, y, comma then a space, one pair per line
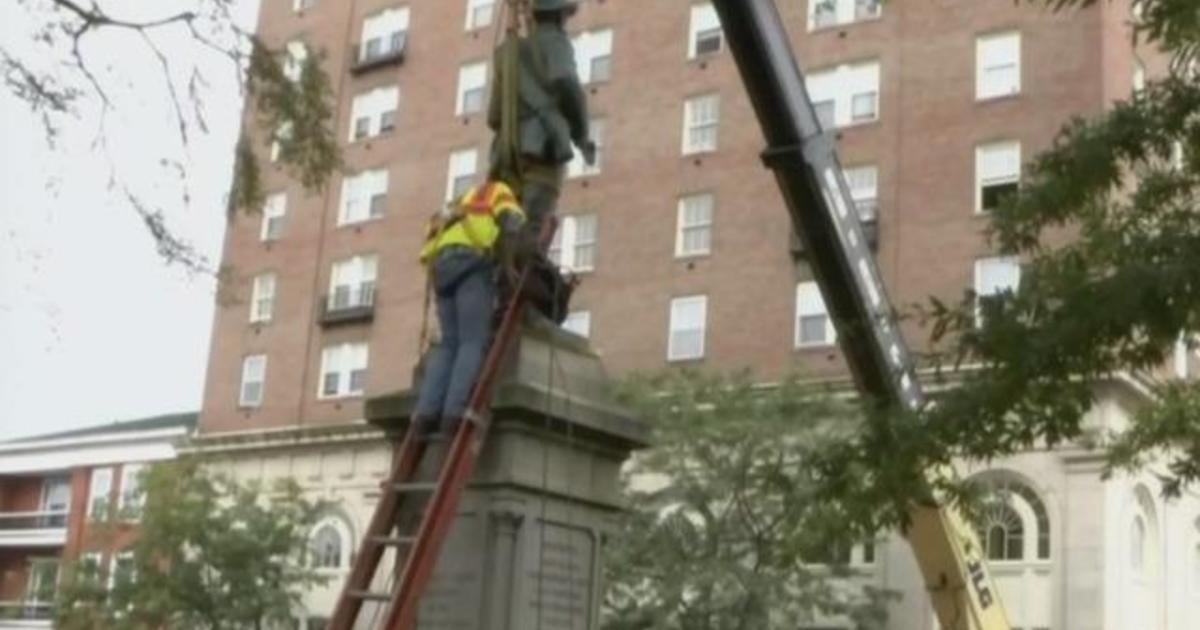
805, 164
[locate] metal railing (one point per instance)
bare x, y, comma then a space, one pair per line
26, 610
44, 519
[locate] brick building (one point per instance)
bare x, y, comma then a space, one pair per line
683, 243
53, 489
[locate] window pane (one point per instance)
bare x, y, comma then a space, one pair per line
387, 121
362, 128
708, 42
812, 329
866, 9
993, 196
329, 385
601, 69
358, 381
863, 106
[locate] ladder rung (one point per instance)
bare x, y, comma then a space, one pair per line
371, 596
416, 486
394, 541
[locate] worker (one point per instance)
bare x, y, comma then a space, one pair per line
552, 112
464, 245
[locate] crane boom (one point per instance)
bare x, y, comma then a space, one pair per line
804, 161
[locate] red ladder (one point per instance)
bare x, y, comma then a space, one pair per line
417, 552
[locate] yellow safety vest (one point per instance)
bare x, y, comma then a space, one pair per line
475, 223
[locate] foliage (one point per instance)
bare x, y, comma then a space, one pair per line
58, 74
210, 553
725, 521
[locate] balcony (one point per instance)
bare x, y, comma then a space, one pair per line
26, 614
349, 304
380, 52
46, 528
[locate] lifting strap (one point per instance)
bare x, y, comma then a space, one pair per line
508, 149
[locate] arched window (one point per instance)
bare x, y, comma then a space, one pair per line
1137, 545
1014, 524
329, 543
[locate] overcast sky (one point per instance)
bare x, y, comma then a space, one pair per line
94, 327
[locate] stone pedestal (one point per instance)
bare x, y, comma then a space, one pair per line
525, 551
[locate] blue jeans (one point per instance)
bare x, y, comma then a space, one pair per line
464, 284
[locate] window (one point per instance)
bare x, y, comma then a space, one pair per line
41, 588
99, 493
282, 138
480, 13
364, 197
845, 95
384, 34
88, 567
593, 55
1139, 76
352, 283
574, 244
1137, 545
301, 5
580, 323
997, 173
864, 189
374, 113
343, 370
328, 546
701, 122
994, 277
688, 321
472, 88
826, 13
272, 217
998, 65
577, 167
814, 327
122, 571
704, 34
131, 490
693, 235
262, 299
56, 502
254, 376
296, 54
464, 165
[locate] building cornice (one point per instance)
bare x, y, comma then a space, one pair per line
283, 437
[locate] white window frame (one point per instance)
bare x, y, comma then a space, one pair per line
359, 194
682, 226
463, 164
131, 502
300, 6
359, 274
475, 8
997, 53
578, 167
273, 213
579, 323
704, 21
985, 287
343, 360
591, 47
378, 107
472, 78
345, 550
678, 306
254, 372
863, 181
701, 113
843, 12
386, 25
1139, 76
988, 174
262, 297
282, 133
811, 303
568, 245
845, 86
295, 56
100, 489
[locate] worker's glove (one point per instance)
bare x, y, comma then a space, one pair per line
589, 152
